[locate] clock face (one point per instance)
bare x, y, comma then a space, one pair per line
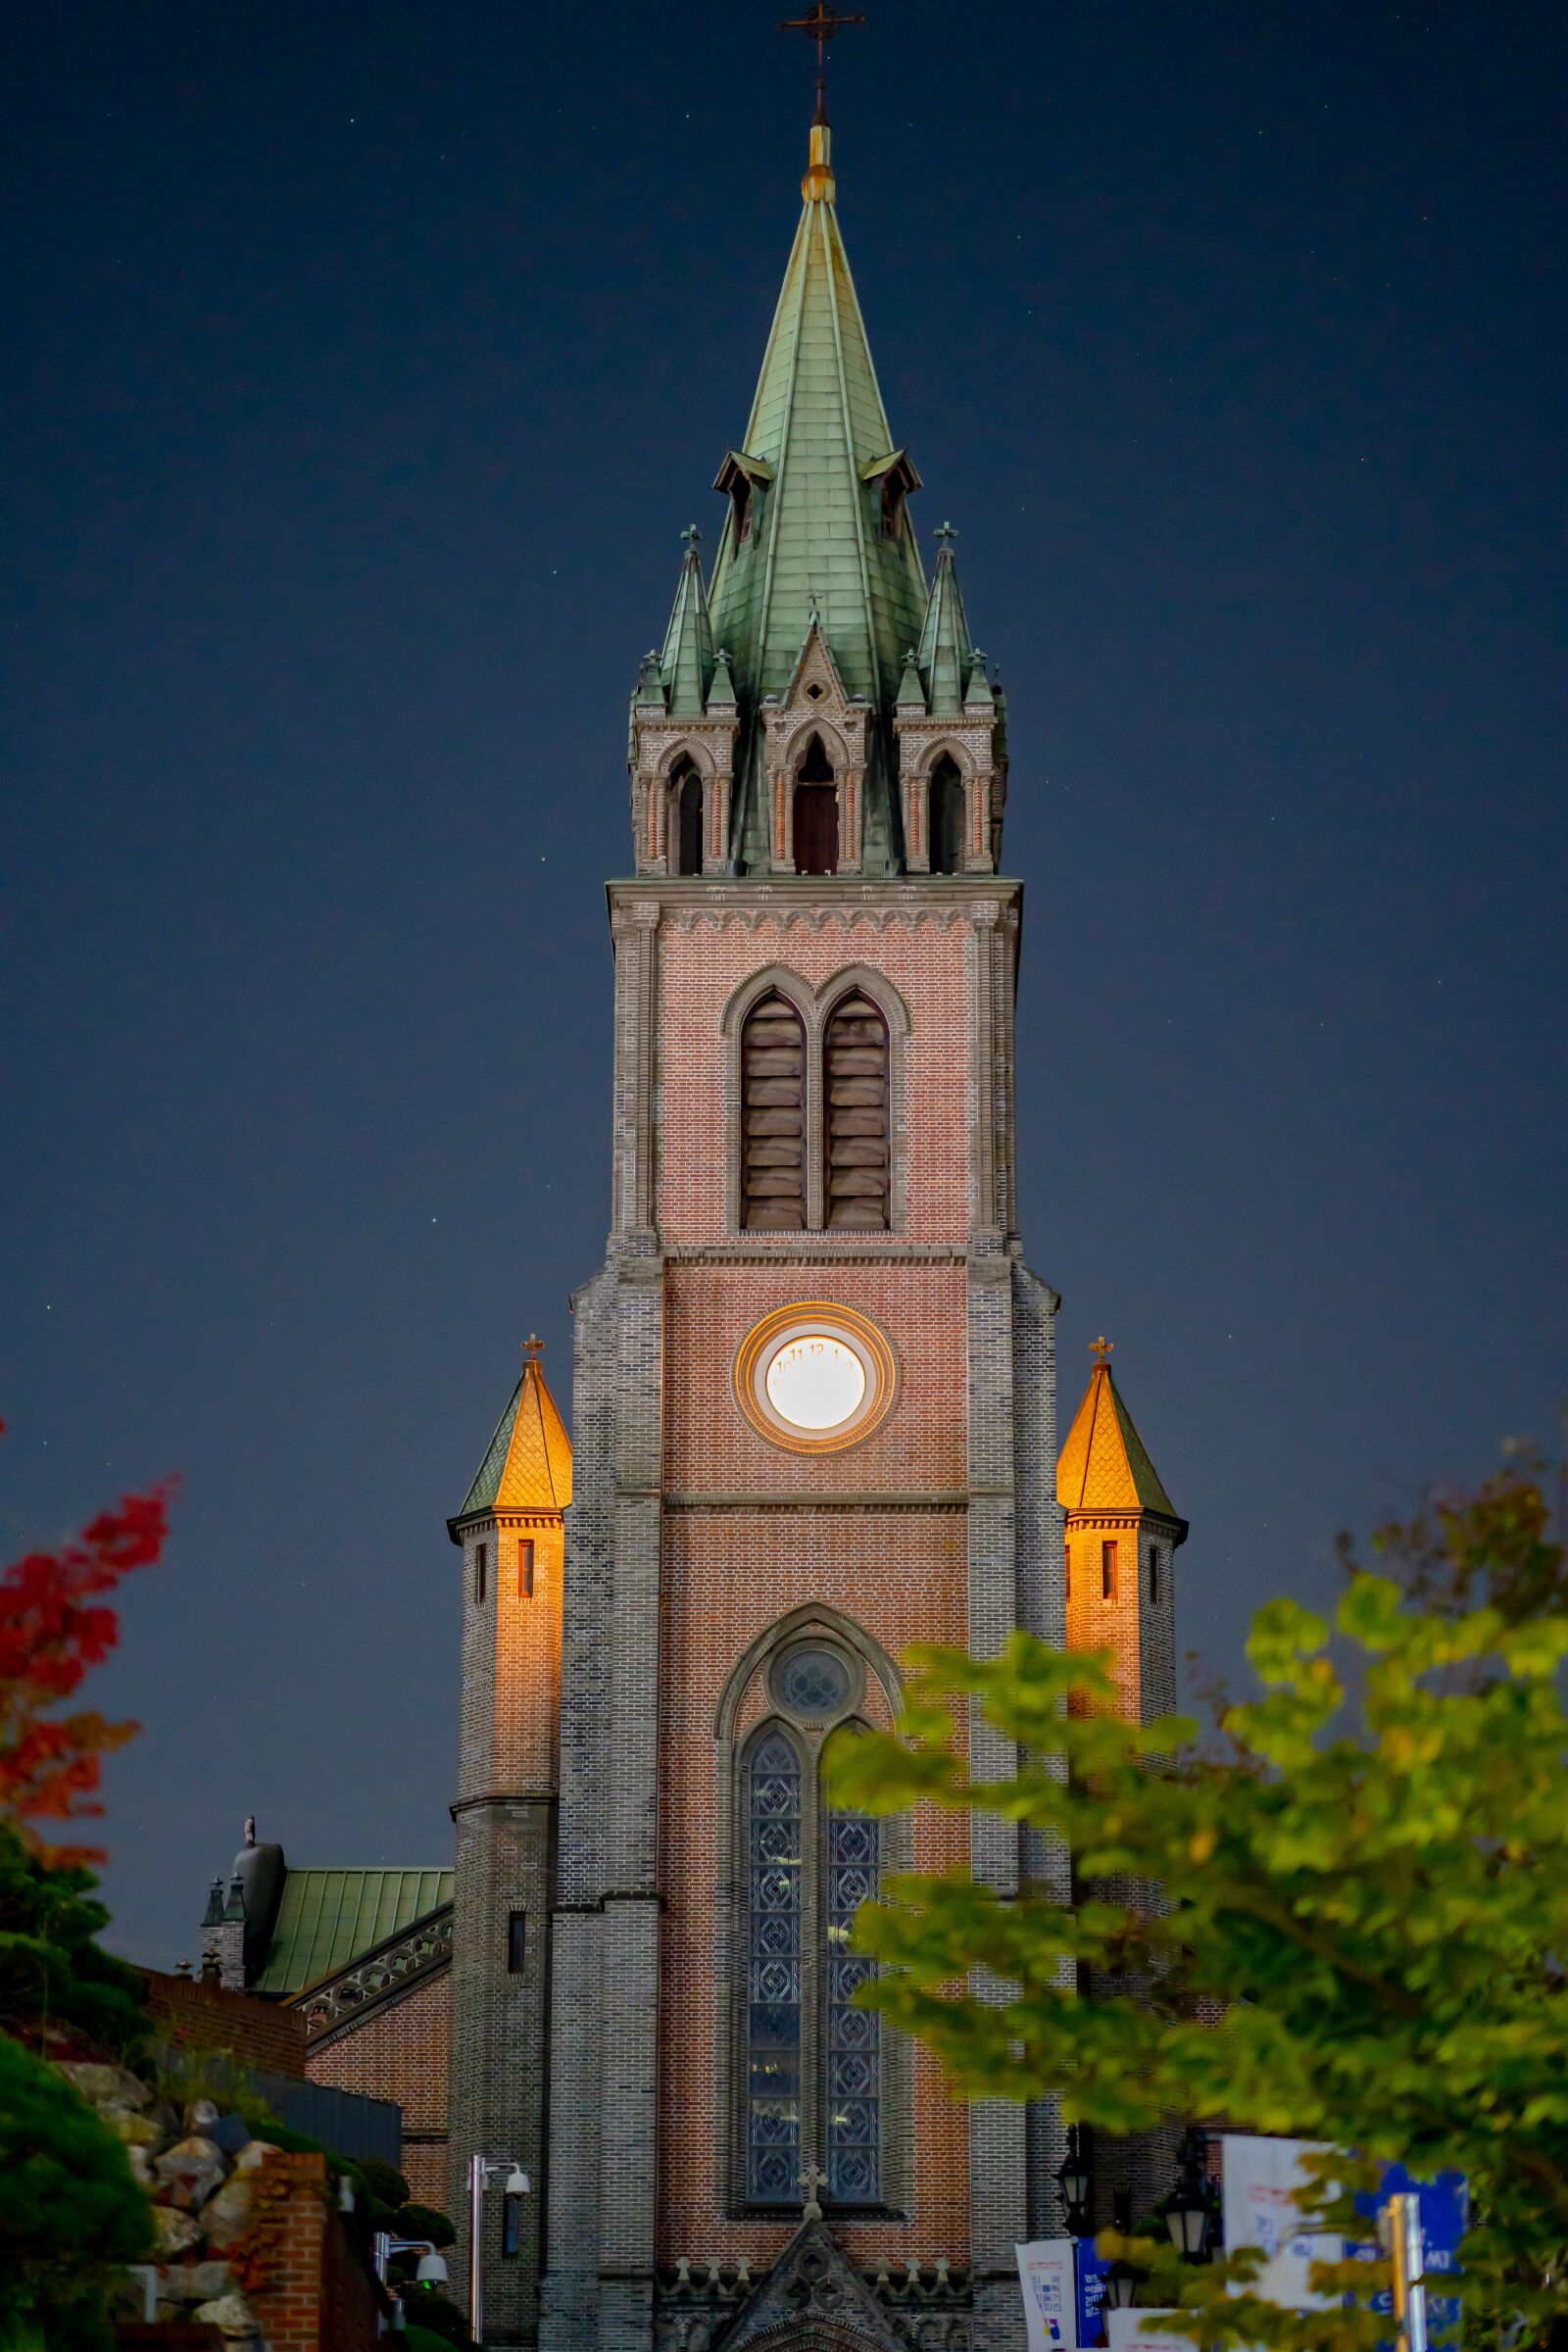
815, 1375
815, 1381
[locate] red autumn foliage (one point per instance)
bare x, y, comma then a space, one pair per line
54, 1623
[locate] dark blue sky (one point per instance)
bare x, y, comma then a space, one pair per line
364, 365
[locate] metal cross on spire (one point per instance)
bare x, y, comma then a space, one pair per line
533, 1348
820, 27
1101, 1350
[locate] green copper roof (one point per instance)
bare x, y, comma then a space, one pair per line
817, 451
330, 1917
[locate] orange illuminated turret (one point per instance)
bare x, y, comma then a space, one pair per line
512, 1528
1121, 1537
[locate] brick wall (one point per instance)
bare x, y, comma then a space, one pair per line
317, 2293
260, 2034
403, 2052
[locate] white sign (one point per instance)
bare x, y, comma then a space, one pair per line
1049, 2285
1125, 2332
1263, 2181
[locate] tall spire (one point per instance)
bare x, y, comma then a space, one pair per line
817, 490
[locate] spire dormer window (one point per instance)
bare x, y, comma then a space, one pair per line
816, 812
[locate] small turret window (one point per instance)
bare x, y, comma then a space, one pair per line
773, 1118
947, 818
894, 497
740, 507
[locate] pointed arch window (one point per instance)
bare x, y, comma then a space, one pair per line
686, 819
812, 2060
774, 1117
816, 812
946, 817
855, 1126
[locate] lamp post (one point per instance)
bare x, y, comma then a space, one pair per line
1073, 2185
482, 2168
1191, 2210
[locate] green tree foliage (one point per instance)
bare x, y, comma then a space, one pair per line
52, 1973
70, 2209
1369, 1886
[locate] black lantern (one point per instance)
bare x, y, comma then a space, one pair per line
1191, 2208
1122, 2282
1073, 2185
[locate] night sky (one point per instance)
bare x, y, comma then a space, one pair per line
364, 365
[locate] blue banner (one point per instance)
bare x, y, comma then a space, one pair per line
1444, 2209
1092, 2270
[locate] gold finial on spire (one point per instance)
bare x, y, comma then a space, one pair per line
1101, 1350
533, 1348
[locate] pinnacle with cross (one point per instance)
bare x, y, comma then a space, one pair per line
1101, 1350
811, 2180
691, 538
533, 1348
947, 534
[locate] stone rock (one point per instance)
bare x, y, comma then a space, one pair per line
176, 2231
196, 2281
232, 2313
94, 2082
251, 2159
141, 2169
230, 2132
199, 2114
229, 2214
136, 2131
191, 2171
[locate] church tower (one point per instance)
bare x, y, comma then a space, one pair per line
815, 1422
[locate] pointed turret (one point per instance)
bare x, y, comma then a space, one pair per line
1121, 1537
527, 1463
817, 490
686, 666
946, 652
1105, 1465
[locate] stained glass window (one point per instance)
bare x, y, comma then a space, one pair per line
773, 1962
854, 2103
812, 1681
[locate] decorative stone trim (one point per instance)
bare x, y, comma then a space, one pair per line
371, 1981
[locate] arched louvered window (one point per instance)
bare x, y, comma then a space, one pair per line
857, 1121
773, 1966
947, 818
774, 1117
686, 793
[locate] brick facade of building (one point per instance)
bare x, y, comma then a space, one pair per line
401, 2051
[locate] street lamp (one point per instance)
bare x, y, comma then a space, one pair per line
481, 2169
1073, 2185
1190, 2210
